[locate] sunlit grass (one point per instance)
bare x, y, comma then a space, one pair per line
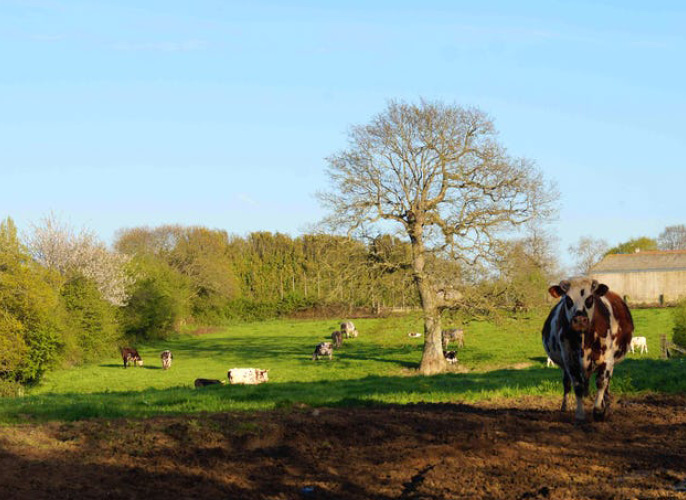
504, 360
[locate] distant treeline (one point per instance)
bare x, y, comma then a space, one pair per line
65, 298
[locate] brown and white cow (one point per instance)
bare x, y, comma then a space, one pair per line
166, 357
452, 335
588, 331
247, 376
348, 330
129, 355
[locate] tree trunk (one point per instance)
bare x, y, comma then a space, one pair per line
433, 361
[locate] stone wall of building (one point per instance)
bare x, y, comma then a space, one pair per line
646, 287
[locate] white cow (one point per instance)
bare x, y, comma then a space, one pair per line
549, 363
639, 343
247, 376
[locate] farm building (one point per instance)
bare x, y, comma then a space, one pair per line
645, 277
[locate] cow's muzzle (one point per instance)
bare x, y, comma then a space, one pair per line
580, 322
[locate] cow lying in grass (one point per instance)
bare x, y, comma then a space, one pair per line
247, 376
204, 382
130, 355
588, 331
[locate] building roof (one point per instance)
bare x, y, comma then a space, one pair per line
672, 260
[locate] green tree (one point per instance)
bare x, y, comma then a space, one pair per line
30, 303
92, 328
642, 244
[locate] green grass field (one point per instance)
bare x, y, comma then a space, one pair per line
503, 360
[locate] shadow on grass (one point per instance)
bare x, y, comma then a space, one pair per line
630, 377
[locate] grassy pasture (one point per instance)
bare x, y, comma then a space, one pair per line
503, 360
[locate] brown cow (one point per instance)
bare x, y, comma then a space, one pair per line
588, 331
129, 354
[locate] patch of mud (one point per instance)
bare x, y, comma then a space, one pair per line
523, 450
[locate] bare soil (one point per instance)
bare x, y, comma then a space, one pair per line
522, 450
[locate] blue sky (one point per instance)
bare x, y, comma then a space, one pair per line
122, 113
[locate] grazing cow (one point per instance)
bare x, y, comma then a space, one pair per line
129, 355
348, 329
166, 357
450, 356
414, 335
247, 376
204, 382
452, 335
549, 363
588, 331
337, 339
323, 349
640, 343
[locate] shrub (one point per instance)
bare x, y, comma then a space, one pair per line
10, 389
92, 327
679, 331
159, 303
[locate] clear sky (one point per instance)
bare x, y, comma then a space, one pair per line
125, 113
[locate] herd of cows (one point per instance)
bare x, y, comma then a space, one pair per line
587, 332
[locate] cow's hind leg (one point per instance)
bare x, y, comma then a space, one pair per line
602, 400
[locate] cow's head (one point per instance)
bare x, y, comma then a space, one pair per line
578, 296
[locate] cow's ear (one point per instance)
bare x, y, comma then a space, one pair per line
600, 290
556, 291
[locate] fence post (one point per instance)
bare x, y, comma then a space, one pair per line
664, 349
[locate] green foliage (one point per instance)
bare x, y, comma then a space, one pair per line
13, 348
10, 388
92, 328
679, 330
30, 303
159, 303
635, 244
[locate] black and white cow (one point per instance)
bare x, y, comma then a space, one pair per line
450, 356
588, 331
323, 349
166, 357
204, 382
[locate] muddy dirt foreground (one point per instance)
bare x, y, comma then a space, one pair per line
513, 450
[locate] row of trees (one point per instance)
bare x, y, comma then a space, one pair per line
66, 298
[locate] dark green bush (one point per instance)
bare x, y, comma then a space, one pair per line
92, 328
679, 331
159, 302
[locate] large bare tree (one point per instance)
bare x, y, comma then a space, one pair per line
437, 174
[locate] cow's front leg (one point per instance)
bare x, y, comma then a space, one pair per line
579, 389
567, 385
602, 400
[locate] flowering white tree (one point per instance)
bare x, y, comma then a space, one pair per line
57, 246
